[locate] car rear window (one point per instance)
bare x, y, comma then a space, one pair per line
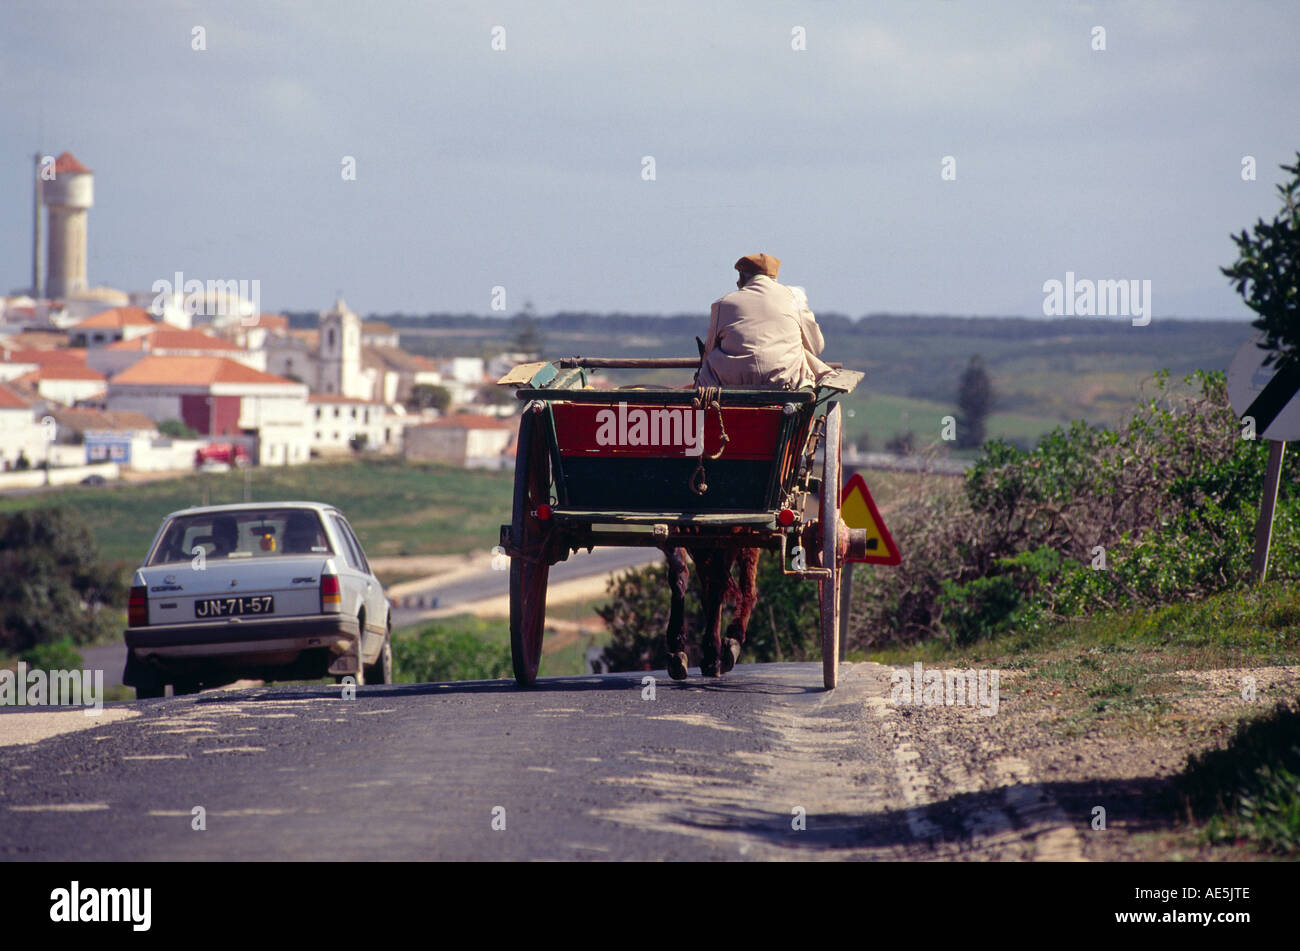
244, 534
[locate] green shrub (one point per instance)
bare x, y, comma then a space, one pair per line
56, 655
458, 648
1171, 496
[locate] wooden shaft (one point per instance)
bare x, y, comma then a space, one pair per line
1264, 527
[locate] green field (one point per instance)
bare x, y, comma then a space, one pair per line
397, 508
879, 417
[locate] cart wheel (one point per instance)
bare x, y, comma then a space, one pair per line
528, 575
829, 517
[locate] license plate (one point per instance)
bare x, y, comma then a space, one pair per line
229, 607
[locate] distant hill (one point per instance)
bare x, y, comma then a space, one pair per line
1044, 371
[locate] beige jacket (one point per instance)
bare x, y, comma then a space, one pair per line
762, 335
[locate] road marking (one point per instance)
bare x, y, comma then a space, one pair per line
21, 729
699, 719
63, 807
158, 756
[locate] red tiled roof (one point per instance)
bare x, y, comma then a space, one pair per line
67, 164
175, 339
63, 355
11, 400
82, 420
62, 371
203, 371
117, 317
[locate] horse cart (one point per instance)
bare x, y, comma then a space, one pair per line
660, 467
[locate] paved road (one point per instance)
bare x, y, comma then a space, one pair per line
582, 767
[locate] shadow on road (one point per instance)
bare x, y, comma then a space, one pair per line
1141, 804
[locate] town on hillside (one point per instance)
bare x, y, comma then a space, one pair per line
97, 383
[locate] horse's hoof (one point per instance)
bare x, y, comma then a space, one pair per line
730, 654
709, 670
677, 666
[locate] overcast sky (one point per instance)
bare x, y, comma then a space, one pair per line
523, 167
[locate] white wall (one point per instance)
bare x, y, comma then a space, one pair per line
69, 392
37, 477
21, 434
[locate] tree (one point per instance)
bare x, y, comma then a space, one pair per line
974, 401
424, 395
1267, 276
528, 338
55, 587
176, 429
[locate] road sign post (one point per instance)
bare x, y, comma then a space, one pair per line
1265, 400
1267, 504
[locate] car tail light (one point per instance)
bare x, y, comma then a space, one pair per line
544, 512
329, 593
785, 517
137, 607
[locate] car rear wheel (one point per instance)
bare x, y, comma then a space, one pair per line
360, 676
149, 693
381, 671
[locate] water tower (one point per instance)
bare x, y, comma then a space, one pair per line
68, 196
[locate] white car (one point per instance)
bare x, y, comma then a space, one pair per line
268, 590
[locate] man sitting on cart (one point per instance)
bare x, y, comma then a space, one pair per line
762, 335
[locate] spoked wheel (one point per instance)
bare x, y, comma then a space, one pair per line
529, 571
829, 521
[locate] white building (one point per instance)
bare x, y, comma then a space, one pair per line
465, 439
66, 382
110, 326
21, 435
218, 397
166, 341
334, 421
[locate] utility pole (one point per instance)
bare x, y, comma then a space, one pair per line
38, 232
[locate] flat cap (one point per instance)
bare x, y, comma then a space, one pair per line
759, 264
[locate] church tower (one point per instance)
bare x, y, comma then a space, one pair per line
340, 352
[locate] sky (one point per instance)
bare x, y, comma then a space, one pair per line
621, 156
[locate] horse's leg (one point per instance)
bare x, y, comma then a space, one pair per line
747, 597
714, 567
679, 575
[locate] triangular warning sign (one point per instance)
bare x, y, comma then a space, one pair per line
858, 509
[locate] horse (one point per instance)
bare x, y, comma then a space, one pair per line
718, 651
